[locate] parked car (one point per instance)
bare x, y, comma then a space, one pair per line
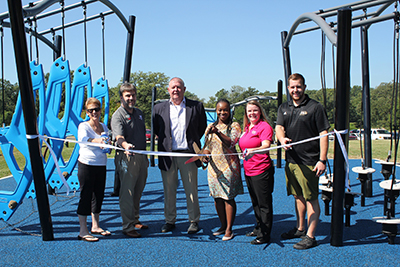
353, 136
148, 134
380, 134
376, 134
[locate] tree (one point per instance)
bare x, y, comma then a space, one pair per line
234, 95
192, 96
9, 101
144, 82
381, 105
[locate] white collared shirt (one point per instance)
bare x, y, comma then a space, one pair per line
177, 114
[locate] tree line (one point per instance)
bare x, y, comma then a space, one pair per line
381, 99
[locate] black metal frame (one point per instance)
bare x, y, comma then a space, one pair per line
344, 25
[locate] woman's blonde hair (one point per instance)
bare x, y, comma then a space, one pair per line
92, 100
263, 116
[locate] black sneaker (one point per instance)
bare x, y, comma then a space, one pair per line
259, 241
251, 234
193, 228
168, 227
294, 233
306, 243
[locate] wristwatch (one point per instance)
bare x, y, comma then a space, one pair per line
323, 161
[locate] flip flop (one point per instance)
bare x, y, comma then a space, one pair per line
219, 232
88, 238
103, 233
226, 238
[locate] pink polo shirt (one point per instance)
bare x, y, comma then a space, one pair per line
251, 139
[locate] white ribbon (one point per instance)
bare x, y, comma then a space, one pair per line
177, 154
346, 158
341, 144
53, 155
303, 141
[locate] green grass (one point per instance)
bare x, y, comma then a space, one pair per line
380, 150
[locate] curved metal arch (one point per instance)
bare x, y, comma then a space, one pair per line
119, 14
318, 20
30, 10
40, 37
38, 7
373, 17
380, 11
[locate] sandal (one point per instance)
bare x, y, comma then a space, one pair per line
88, 238
219, 232
103, 233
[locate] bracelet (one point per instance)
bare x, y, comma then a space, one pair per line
323, 161
90, 139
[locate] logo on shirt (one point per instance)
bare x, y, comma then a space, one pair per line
128, 117
254, 132
140, 117
303, 113
284, 113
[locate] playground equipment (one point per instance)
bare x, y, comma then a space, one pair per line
60, 103
339, 34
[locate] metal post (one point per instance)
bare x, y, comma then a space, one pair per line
341, 122
286, 62
57, 44
367, 110
128, 51
152, 145
28, 106
279, 150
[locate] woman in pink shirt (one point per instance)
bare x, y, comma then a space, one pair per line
258, 168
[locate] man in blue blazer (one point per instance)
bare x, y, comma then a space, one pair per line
178, 123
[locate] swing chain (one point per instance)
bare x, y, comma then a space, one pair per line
53, 33
63, 28
103, 41
29, 21
36, 39
84, 30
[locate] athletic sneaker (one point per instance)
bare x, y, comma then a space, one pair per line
294, 233
306, 243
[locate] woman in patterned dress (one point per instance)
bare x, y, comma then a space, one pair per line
224, 177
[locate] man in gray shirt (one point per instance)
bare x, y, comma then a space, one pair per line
129, 132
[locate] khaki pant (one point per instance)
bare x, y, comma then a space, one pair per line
188, 174
132, 172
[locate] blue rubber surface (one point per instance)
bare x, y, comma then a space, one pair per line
364, 244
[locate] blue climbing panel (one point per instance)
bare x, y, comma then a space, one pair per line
15, 137
58, 88
100, 91
82, 83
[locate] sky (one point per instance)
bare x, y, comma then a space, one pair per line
210, 44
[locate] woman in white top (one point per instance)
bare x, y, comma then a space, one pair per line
91, 171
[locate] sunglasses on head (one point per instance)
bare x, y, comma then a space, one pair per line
90, 110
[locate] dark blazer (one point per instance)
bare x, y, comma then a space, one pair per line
196, 123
